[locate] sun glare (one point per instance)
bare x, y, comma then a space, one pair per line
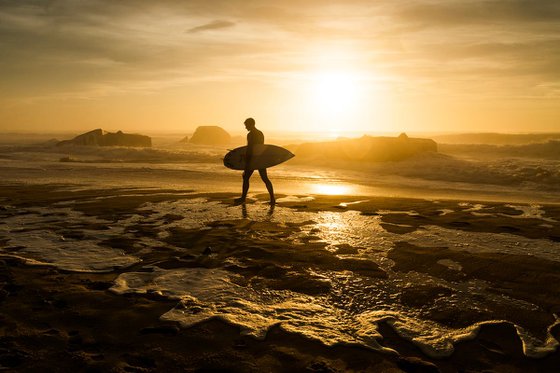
335, 91
334, 99
331, 189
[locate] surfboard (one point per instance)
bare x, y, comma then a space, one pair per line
264, 156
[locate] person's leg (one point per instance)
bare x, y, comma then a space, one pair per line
268, 184
246, 177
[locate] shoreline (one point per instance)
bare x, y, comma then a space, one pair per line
291, 179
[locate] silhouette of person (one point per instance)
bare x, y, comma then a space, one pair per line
254, 137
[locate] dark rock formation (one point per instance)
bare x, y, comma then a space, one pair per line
89, 138
99, 137
366, 148
210, 135
126, 139
51, 142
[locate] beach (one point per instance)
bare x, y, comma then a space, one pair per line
169, 279
277, 186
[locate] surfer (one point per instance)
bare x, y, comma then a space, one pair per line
254, 137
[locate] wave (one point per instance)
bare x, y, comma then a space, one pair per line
438, 167
475, 168
546, 150
503, 172
114, 154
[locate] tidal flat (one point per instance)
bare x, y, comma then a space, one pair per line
169, 279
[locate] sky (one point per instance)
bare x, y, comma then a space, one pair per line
328, 67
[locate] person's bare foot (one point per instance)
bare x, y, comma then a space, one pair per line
239, 201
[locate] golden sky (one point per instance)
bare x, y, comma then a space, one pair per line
328, 66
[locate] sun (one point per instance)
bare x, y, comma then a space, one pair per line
335, 90
334, 99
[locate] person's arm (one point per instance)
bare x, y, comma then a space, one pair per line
249, 153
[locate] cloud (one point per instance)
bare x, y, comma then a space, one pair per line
458, 13
214, 25
68, 45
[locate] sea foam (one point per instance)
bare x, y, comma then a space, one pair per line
33, 237
205, 294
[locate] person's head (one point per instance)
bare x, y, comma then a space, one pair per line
249, 123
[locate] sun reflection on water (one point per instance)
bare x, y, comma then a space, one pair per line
331, 223
331, 189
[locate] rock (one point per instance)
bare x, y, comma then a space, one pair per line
185, 140
321, 367
67, 159
416, 365
99, 137
126, 139
163, 329
89, 138
50, 142
210, 135
366, 148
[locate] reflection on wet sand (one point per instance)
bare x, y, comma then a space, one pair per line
331, 189
312, 268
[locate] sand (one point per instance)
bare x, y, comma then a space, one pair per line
422, 261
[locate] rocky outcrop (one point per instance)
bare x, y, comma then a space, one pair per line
210, 135
99, 137
366, 148
126, 139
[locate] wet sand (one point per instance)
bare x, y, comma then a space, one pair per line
56, 316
